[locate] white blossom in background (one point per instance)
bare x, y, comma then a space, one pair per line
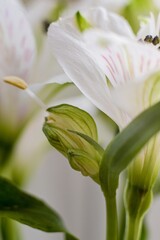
19, 57
157, 3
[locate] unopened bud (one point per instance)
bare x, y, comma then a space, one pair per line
61, 128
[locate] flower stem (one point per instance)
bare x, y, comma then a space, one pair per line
9, 229
112, 220
133, 228
137, 202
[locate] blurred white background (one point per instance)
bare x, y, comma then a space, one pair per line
78, 199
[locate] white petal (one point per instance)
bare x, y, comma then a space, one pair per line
17, 42
135, 97
58, 79
149, 26
121, 59
17, 50
79, 64
111, 22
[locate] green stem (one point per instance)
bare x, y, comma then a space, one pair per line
133, 228
8, 229
137, 202
122, 222
112, 219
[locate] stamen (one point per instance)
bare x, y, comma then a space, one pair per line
148, 38
45, 25
16, 81
20, 83
36, 99
155, 40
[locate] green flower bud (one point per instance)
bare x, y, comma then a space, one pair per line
64, 128
143, 171
137, 200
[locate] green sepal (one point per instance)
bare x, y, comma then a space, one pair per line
26, 209
126, 145
81, 22
81, 161
90, 141
74, 119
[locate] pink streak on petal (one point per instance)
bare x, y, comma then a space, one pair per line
10, 29
111, 70
157, 63
27, 54
141, 64
148, 63
122, 67
23, 41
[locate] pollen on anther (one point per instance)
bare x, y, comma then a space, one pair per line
16, 81
155, 40
148, 38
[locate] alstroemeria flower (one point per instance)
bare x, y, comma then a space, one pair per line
17, 54
18, 58
102, 58
107, 62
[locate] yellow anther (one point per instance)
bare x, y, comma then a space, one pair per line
16, 81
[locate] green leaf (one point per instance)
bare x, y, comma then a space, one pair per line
68, 236
121, 151
82, 23
26, 209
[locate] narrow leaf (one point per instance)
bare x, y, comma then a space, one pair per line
68, 236
26, 209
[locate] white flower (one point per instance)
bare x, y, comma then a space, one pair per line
19, 58
116, 72
102, 58
17, 54
17, 121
